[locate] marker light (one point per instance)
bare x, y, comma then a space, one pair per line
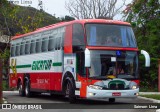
91, 94
118, 53
95, 87
134, 87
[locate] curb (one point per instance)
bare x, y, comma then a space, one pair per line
146, 93
150, 99
10, 91
4, 100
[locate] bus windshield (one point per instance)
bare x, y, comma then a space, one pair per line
110, 35
120, 64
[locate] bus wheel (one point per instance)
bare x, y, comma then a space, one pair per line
111, 100
69, 92
21, 89
27, 89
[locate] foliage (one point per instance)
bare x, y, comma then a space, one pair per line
5, 85
155, 96
16, 19
26, 19
67, 18
4, 55
144, 17
148, 76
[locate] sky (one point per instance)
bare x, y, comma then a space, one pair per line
54, 7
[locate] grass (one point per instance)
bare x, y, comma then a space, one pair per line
153, 96
146, 89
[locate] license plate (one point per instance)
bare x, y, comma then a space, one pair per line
116, 94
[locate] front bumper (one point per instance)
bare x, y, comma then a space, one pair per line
95, 93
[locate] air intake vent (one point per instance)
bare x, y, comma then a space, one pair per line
116, 85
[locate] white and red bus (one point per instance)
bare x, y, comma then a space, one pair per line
90, 58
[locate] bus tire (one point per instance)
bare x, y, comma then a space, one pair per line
111, 100
70, 92
27, 89
21, 89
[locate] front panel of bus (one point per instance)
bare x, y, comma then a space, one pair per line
113, 69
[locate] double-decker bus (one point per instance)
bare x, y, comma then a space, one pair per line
90, 58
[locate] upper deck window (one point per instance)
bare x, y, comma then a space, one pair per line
51, 43
22, 50
44, 44
33, 47
17, 49
110, 35
38, 45
27, 47
13, 48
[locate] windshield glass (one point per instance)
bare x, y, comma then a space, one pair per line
120, 64
110, 35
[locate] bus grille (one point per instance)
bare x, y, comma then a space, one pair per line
116, 87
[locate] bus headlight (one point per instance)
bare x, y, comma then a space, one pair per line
95, 87
134, 87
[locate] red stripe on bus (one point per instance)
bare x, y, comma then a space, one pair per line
111, 48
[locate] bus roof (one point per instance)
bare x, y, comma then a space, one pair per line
83, 21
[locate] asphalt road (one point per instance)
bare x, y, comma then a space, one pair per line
61, 104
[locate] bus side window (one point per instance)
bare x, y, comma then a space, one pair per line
38, 45
27, 47
17, 49
78, 37
13, 51
62, 40
58, 43
33, 47
54, 42
44, 44
51, 44
22, 50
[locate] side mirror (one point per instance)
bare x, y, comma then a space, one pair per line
87, 58
147, 58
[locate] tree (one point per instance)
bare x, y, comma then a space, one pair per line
25, 21
85, 9
67, 18
18, 20
144, 17
13, 20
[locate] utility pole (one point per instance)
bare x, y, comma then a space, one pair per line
0, 80
40, 5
